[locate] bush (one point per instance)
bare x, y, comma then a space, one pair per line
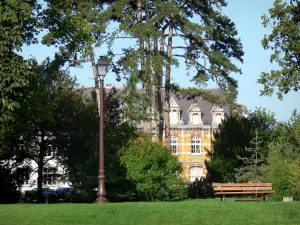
152, 167
200, 189
8, 196
178, 193
279, 171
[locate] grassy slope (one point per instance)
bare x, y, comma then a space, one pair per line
187, 212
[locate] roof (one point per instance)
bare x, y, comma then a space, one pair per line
205, 107
184, 103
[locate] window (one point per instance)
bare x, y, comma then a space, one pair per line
174, 144
196, 144
50, 177
218, 118
195, 172
174, 116
195, 118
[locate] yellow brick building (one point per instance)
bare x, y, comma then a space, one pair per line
193, 122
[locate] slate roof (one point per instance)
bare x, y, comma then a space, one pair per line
205, 107
184, 103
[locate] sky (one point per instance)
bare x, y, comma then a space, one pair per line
247, 17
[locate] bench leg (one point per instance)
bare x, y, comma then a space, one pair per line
222, 198
266, 197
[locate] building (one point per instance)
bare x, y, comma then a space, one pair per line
193, 122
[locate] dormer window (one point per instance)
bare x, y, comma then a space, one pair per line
195, 118
218, 114
174, 112
195, 114
174, 117
219, 118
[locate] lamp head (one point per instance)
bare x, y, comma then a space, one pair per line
101, 66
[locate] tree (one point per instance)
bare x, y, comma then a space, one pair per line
284, 42
284, 152
13, 175
263, 123
295, 178
82, 157
253, 169
18, 26
212, 39
40, 125
233, 135
279, 172
152, 167
288, 129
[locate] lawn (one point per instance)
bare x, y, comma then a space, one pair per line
186, 212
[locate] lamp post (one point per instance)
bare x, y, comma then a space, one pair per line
101, 68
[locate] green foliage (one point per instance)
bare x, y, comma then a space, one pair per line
18, 26
230, 140
152, 167
41, 124
288, 129
279, 173
200, 189
283, 158
263, 123
297, 131
253, 169
178, 193
233, 139
284, 42
295, 178
78, 27
12, 177
82, 166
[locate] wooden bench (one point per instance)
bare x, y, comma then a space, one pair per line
223, 189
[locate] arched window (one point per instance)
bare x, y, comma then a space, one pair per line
195, 172
195, 118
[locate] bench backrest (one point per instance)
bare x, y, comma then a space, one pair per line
242, 186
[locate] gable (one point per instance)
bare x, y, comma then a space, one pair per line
173, 103
217, 108
194, 108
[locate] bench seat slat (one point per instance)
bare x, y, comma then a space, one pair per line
242, 184
244, 192
242, 188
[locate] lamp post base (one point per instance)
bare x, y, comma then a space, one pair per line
101, 200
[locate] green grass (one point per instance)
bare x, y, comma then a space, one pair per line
186, 212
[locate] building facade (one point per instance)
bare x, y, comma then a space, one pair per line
193, 122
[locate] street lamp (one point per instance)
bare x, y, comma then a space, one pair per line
101, 68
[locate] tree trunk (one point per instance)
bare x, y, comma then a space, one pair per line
41, 157
139, 19
148, 72
159, 101
142, 52
94, 71
168, 82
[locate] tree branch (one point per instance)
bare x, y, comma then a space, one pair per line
126, 37
178, 55
177, 35
182, 47
52, 157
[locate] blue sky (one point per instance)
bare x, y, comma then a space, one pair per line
247, 17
